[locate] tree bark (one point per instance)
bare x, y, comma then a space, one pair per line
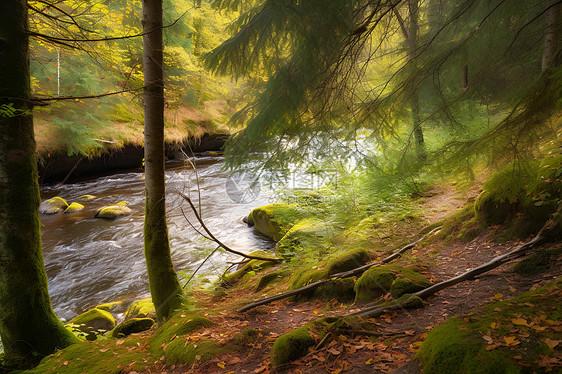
551, 36
164, 285
29, 328
412, 39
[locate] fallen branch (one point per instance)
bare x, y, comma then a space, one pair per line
221, 244
519, 251
346, 274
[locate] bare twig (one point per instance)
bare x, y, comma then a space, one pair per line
221, 244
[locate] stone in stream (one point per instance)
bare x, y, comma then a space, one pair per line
74, 207
113, 211
87, 197
54, 205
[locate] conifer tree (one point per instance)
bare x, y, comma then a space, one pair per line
164, 286
29, 329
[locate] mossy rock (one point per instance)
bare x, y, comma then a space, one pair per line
397, 280
113, 211
122, 203
74, 207
180, 351
540, 261
270, 278
291, 346
54, 205
132, 326
93, 322
306, 233
87, 197
274, 220
458, 346
336, 263
143, 308
250, 266
109, 307
178, 325
522, 196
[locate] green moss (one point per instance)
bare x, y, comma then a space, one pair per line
291, 346
113, 211
539, 262
250, 266
180, 351
397, 280
274, 220
132, 326
53, 205
522, 195
270, 278
74, 207
93, 322
108, 307
306, 233
122, 203
176, 326
460, 225
458, 345
141, 308
107, 357
448, 349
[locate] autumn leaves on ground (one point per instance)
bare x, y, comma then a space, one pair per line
506, 320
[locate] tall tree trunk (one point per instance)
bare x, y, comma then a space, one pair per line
29, 329
164, 285
412, 39
551, 35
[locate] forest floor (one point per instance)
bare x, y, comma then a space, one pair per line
388, 346
398, 334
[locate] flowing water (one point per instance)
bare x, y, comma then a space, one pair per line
91, 261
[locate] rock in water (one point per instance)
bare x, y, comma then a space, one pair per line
113, 211
73, 207
54, 205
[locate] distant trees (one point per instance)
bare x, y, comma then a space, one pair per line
164, 286
29, 329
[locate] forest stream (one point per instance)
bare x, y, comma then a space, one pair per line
91, 261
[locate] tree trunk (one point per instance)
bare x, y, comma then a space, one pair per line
412, 39
29, 329
551, 36
164, 286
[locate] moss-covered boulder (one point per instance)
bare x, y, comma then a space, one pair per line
251, 266
132, 326
274, 220
522, 196
93, 322
181, 351
520, 335
343, 289
87, 197
291, 346
54, 205
74, 207
143, 308
113, 211
109, 307
306, 233
397, 280
271, 278
176, 326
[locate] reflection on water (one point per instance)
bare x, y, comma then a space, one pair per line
90, 261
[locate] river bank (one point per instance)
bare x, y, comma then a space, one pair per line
56, 167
